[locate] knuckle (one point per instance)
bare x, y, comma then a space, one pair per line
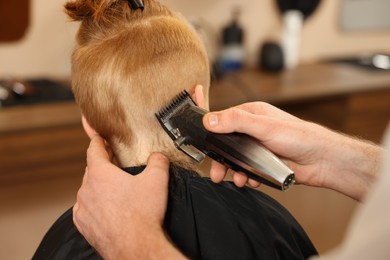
80, 196
235, 114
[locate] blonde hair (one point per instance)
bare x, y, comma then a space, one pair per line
130, 63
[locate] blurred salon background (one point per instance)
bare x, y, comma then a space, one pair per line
325, 61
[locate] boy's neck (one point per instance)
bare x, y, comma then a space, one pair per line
127, 156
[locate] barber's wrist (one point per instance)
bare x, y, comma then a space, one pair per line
356, 166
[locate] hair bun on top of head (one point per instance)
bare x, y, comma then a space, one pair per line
80, 10
100, 18
136, 4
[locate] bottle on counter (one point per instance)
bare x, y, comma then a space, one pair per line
232, 53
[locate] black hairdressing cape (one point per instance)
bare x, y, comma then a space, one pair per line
206, 221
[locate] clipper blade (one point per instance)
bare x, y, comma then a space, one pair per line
177, 102
164, 116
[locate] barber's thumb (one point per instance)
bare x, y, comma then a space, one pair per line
158, 165
211, 120
218, 122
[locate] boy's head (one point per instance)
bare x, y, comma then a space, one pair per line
128, 64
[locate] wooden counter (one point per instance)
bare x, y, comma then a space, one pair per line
309, 81
40, 142
343, 97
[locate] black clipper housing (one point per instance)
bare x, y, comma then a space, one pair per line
182, 120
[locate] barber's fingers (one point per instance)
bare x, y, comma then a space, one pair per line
240, 179
265, 109
217, 172
259, 108
85, 177
83, 227
157, 164
238, 120
157, 170
98, 151
222, 121
75, 209
255, 118
253, 183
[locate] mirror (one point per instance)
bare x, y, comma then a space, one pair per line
363, 15
14, 19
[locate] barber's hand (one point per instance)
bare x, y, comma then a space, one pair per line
120, 214
277, 130
318, 156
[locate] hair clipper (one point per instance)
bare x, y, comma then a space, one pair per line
182, 120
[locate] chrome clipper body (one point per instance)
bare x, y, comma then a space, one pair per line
182, 120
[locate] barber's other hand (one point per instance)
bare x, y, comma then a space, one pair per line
120, 214
318, 156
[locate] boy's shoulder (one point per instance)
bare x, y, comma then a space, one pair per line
223, 221
64, 241
206, 221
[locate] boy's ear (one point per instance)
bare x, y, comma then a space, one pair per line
87, 128
198, 96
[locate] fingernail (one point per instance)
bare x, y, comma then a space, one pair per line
213, 120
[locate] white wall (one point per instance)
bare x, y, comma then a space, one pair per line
321, 37
46, 49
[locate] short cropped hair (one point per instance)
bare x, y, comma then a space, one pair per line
130, 63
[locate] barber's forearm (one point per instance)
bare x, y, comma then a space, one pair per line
356, 164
